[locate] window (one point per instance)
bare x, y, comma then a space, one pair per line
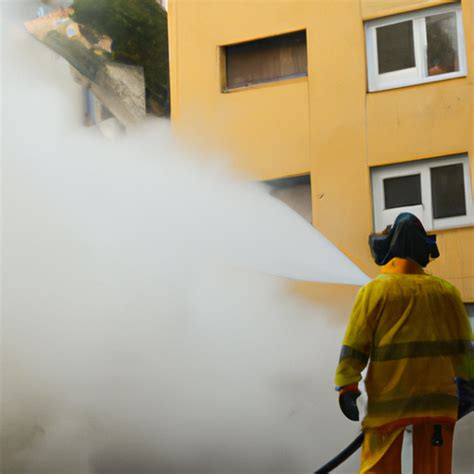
437, 191
417, 47
295, 192
265, 60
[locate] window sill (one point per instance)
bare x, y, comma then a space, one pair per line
446, 227
277, 82
430, 80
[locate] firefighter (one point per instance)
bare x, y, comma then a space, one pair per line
412, 330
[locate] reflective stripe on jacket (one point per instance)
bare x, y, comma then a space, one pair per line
415, 331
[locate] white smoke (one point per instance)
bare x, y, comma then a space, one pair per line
146, 326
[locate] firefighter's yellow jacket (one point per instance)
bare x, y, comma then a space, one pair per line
414, 330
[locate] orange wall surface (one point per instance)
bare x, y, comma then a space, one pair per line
371, 9
340, 177
265, 128
425, 121
326, 124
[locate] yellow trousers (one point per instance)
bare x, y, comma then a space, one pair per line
382, 450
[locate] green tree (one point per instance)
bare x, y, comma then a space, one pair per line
139, 31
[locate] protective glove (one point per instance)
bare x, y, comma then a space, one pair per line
465, 389
348, 396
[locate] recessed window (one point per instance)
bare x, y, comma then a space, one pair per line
295, 192
265, 60
417, 47
437, 191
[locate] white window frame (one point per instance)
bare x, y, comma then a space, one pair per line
424, 211
418, 74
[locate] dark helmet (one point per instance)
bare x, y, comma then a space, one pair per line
407, 238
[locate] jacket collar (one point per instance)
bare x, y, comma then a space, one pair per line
404, 266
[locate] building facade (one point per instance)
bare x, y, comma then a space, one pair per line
370, 101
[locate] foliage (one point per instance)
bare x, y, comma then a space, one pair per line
139, 31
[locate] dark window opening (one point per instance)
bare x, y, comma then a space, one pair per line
447, 191
402, 191
295, 192
395, 47
266, 60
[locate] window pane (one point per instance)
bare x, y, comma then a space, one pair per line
447, 191
266, 60
395, 47
402, 191
441, 32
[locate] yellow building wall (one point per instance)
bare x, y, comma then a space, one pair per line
325, 124
339, 173
426, 121
265, 128
416, 122
371, 9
